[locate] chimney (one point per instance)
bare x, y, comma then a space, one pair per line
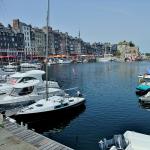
16, 24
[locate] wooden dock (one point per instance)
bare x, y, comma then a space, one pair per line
37, 140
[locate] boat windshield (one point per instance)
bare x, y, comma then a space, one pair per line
27, 79
22, 91
13, 80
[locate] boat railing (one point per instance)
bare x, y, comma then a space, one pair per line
74, 92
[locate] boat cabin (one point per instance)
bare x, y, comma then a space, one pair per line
22, 89
23, 77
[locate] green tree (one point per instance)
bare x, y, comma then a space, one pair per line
147, 54
131, 44
117, 53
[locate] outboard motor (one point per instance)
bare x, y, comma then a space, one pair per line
120, 142
103, 144
106, 144
117, 143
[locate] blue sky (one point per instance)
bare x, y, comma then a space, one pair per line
98, 20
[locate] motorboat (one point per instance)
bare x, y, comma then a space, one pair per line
79, 61
55, 105
4, 75
11, 67
26, 93
143, 88
64, 61
84, 61
144, 105
51, 61
140, 78
144, 78
23, 77
130, 140
103, 59
145, 99
29, 66
3, 78
38, 65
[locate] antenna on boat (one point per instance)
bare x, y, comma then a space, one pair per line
47, 20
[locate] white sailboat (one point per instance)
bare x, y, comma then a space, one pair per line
52, 105
55, 105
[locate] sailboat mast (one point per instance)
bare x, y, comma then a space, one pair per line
47, 20
8, 52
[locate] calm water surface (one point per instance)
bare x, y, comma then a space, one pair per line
111, 104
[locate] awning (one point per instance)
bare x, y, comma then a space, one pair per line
57, 56
38, 56
8, 56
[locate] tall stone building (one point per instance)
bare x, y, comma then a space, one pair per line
64, 43
51, 44
57, 42
11, 41
26, 30
38, 41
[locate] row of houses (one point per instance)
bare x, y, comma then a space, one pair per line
22, 39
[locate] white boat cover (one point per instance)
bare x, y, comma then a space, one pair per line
137, 141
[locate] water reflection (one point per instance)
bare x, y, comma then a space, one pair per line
53, 124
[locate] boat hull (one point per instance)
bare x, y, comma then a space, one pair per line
52, 114
144, 100
105, 59
142, 92
142, 89
16, 104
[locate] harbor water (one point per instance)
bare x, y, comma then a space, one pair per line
111, 106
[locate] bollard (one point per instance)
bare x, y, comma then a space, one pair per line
21, 124
1, 120
33, 129
26, 126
